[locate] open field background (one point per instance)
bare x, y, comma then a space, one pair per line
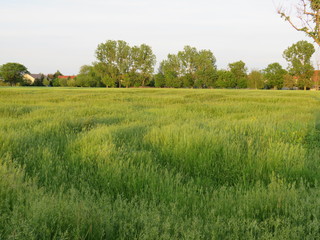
159, 164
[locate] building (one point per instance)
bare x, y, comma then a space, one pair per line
30, 78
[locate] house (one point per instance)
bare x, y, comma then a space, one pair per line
30, 78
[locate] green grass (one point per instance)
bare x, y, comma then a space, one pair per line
159, 164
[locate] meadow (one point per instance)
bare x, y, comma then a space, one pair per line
159, 164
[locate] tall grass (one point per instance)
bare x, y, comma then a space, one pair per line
159, 164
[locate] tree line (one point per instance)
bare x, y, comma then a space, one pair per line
120, 65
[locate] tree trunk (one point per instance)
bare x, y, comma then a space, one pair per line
305, 88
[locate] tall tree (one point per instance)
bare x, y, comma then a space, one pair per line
12, 72
108, 73
125, 65
289, 81
206, 71
299, 57
239, 71
159, 80
308, 18
123, 60
143, 61
189, 68
115, 56
274, 75
172, 71
226, 79
188, 58
255, 79
88, 77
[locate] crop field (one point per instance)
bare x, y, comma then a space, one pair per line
159, 164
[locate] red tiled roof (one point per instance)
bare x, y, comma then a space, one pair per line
67, 77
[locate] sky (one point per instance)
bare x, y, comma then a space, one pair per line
51, 35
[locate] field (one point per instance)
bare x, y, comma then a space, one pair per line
159, 164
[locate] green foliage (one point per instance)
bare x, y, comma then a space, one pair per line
89, 76
255, 80
63, 82
12, 73
189, 68
299, 58
274, 75
143, 63
71, 83
117, 61
171, 70
46, 82
159, 164
55, 82
226, 79
315, 5
57, 74
289, 81
239, 71
159, 80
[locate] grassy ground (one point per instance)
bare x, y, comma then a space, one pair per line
159, 164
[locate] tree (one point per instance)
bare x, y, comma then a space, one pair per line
143, 61
188, 63
63, 82
274, 75
13, 72
106, 72
172, 71
308, 18
57, 74
125, 65
226, 79
116, 58
88, 77
206, 70
255, 80
289, 81
299, 58
71, 82
239, 71
159, 80
189, 68
46, 82
56, 82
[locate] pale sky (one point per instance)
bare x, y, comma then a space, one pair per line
50, 35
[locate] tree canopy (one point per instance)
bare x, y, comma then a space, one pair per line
306, 19
274, 75
255, 79
12, 72
118, 63
189, 68
299, 58
239, 71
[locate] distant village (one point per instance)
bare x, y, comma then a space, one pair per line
59, 80
40, 79
188, 68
